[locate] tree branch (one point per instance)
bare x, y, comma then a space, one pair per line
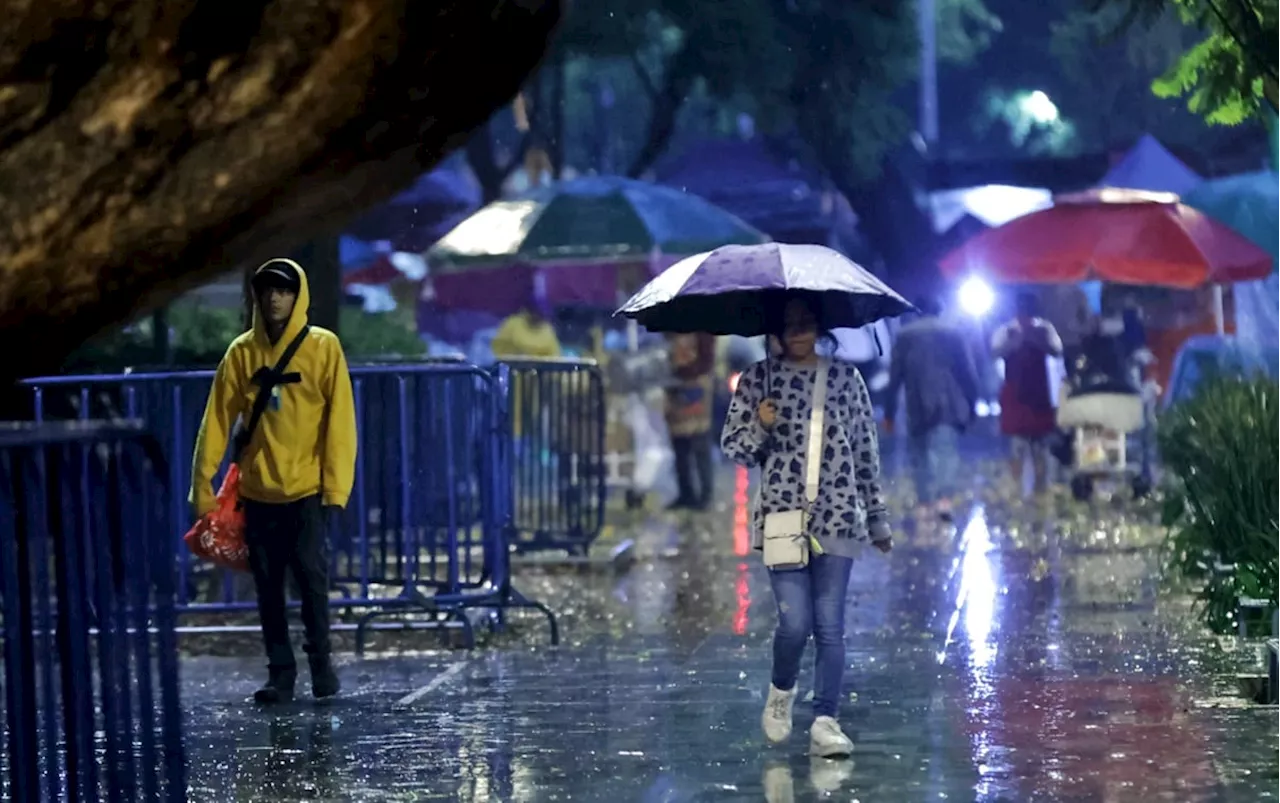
677, 80
642, 72
146, 145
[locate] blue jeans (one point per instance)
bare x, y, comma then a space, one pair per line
935, 462
812, 600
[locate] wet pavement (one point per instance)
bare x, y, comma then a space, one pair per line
1028, 654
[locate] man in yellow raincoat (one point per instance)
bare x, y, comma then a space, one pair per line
296, 465
526, 334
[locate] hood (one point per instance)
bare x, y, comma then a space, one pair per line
297, 319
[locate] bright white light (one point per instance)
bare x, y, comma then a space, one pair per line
975, 297
1039, 108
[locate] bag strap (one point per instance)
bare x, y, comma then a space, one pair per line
817, 418
267, 380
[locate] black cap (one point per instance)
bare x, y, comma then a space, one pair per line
277, 273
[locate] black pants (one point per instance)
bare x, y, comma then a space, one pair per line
282, 539
694, 476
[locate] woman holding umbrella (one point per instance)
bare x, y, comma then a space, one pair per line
807, 422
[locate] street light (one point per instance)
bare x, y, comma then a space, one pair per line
1039, 108
976, 297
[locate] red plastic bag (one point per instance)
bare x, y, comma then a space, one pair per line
218, 536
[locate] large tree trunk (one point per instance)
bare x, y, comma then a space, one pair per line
146, 145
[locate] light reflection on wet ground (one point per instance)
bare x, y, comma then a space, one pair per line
1027, 657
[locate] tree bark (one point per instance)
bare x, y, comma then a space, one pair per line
146, 145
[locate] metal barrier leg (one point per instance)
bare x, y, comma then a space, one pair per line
514, 599
410, 600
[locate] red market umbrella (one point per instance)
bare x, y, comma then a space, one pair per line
1121, 236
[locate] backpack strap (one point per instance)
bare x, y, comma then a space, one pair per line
267, 379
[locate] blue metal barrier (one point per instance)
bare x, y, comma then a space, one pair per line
426, 525
557, 430
87, 589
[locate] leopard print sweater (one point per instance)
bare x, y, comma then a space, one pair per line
850, 508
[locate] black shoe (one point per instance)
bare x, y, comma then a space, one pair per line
324, 681
278, 688
680, 504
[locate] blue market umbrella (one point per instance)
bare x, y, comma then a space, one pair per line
741, 290
1248, 203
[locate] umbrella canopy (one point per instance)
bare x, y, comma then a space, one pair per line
1121, 236
1248, 203
591, 218
741, 290
418, 217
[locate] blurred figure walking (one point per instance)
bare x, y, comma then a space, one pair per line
932, 367
688, 412
1027, 413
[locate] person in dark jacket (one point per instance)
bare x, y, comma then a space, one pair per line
932, 367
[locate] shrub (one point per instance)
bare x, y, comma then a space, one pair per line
1221, 451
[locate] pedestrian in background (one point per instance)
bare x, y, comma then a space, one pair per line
828, 491
688, 414
1027, 412
297, 464
932, 367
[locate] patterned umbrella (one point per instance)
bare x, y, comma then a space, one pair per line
741, 290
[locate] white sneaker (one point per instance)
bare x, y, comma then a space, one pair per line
829, 774
779, 786
776, 719
827, 740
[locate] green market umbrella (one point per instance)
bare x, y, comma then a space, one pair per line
597, 219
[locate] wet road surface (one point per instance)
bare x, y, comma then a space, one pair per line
1027, 654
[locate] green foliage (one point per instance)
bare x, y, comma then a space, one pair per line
827, 69
1220, 449
1107, 77
966, 28
1211, 76
369, 336
199, 335
1231, 72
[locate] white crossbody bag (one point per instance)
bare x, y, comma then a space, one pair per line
787, 542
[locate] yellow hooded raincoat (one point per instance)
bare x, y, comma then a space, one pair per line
305, 443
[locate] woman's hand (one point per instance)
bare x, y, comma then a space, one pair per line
767, 412
881, 536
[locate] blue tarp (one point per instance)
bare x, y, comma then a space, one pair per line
1204, 356
416, 218
1149, 166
